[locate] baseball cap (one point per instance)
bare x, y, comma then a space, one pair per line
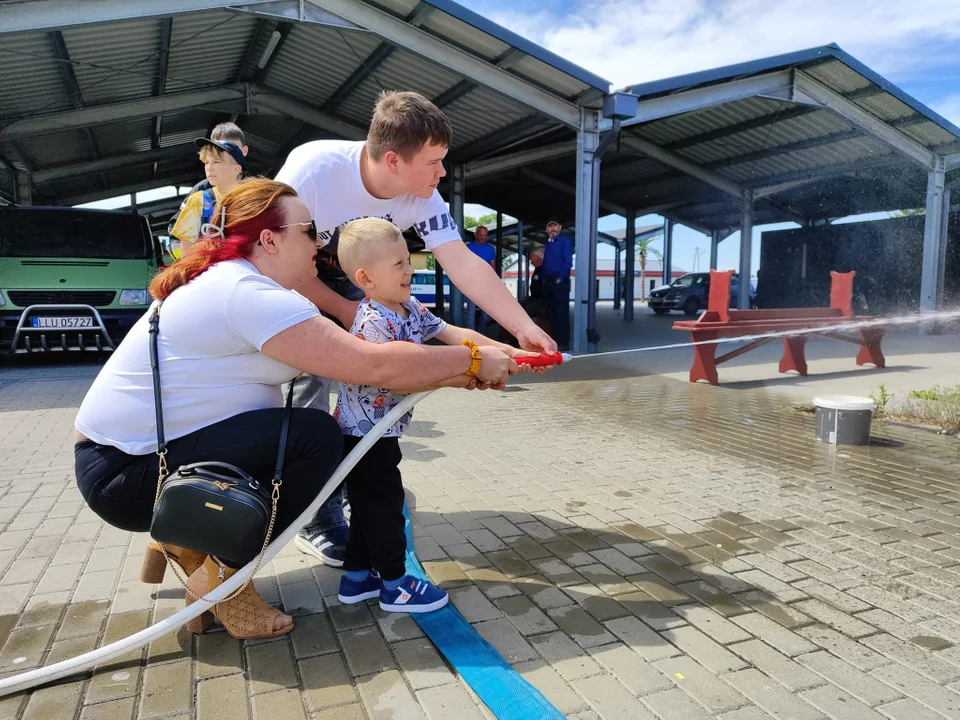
232, 148
554, 221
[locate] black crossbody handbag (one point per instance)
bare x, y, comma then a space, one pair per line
212, 507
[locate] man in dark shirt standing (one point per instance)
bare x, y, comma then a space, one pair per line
557, 263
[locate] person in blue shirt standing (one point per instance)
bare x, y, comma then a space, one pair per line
482, 249
557, 263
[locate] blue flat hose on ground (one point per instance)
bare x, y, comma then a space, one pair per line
501, 688
508, 695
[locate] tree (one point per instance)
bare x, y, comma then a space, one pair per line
472, 222
643, 249
431, 262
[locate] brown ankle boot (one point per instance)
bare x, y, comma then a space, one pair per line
245, 617
155, 565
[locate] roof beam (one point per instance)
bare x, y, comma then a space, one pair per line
116, 112
273, 101
60, 14
860, 117
682, 164
771, 84
119, 162
569, 190
498, 140
245, 69
65, 66
185, 178
484, 168
163, 64
417, 41
374, 60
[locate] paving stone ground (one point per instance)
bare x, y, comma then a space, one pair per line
637, 547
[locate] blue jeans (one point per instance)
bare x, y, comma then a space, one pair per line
476, 319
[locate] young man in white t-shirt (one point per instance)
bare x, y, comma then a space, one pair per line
394, 176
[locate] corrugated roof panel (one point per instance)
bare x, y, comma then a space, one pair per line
206, 49
269, 134
681, 127
547, 76
61, 148
886, 107
397, 7
481, 113
118, 138
115, 61
457, 32
772, 136
851, 151
29, 77
928, 133
315, 61
401, 71
837, 76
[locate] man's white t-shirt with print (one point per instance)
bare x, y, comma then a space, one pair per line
326, 176
359, 407
211, 367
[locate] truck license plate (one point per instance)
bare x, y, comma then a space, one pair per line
58, 323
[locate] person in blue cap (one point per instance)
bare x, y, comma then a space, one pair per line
224, 164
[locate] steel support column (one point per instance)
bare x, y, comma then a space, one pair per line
746, 250
667, 251
616, 279
499, 243
931, 291
519, 259
24, 188
588, 139
629, 260
457, 199
714, 248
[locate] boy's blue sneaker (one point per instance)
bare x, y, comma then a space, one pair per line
412, 596
352, 591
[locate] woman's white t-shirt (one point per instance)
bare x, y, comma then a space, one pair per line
211, 367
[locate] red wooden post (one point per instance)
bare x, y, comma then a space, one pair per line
841, 292
704, 356
793, 354
718, 300
871, 352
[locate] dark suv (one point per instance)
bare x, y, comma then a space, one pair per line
689, 294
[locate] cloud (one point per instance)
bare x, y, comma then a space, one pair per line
633, 41
948, 107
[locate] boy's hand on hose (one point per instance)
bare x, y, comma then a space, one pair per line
495, 367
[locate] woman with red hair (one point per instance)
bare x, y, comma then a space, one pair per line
233, 329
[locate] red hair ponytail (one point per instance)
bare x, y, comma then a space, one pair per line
251, 207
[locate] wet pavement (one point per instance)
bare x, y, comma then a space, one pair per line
636, 546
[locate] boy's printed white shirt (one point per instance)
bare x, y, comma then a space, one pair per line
360, 407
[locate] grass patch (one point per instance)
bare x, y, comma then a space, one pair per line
939, 407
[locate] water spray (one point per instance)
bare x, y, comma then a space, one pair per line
82, 663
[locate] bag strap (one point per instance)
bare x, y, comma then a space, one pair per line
162, 451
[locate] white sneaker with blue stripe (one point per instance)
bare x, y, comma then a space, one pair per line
413, 596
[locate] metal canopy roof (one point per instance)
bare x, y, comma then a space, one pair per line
103, 98
813, 134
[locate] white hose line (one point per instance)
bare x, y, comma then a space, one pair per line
30, 679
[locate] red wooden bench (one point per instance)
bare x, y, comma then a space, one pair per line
721, 321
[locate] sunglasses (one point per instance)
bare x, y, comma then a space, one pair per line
311, 228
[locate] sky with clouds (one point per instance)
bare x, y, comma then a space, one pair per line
915, 45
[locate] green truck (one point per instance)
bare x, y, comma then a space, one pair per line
72, 280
